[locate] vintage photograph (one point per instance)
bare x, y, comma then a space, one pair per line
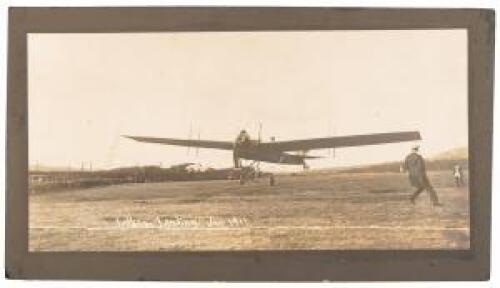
254, 140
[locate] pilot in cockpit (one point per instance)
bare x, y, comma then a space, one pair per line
243, 137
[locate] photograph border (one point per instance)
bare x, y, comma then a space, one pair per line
273, 265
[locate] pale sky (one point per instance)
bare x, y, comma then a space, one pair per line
85, 90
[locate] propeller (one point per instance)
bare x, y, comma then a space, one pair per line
260, 132
331, 132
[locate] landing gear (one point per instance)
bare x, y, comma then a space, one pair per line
251, 172
247, 173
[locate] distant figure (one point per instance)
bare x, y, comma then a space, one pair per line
415, 165
458, 174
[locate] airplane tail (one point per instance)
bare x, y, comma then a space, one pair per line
311, 157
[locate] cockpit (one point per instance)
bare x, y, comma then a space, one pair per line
243, 138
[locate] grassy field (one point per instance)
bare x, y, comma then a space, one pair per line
305, 211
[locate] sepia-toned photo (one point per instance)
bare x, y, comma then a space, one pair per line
231, 141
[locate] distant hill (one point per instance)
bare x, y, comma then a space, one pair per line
45, 168
442, 161
446, 164
453, 154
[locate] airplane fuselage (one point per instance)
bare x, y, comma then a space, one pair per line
251, 150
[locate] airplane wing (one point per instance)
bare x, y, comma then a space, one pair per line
189, 143
341, 141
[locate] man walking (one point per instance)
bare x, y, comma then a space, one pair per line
415, 165
458, 174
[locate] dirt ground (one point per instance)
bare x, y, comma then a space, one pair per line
306, 211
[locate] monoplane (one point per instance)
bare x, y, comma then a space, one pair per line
281, 152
